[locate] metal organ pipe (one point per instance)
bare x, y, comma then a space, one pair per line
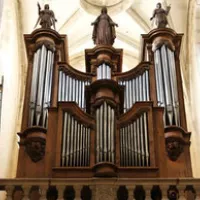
72, 89
168, 94
166, 85
136, 89
105, 122
41, 86
34, 86
103, 71
75, 142
134, 143
174, 86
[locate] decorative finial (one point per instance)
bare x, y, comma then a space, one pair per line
160, 16
46, 17
104, 29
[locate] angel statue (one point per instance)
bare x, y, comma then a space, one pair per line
46, 17
160, 16
104, 29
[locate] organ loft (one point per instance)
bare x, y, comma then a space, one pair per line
98, 134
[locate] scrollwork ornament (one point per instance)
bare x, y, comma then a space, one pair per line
174, 148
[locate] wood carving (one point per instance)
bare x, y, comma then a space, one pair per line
172, 193
104, 29
35, 148
46, 17
174, 148
104, 122
160, 16
49, 45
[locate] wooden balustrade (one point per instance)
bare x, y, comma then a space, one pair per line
106, 188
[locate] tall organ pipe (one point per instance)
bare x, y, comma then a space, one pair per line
34, 86
168, 94
166, 85
105, 133
41, 84
40, 96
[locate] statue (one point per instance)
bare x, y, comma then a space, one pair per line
104, 29
46, 17
160, 16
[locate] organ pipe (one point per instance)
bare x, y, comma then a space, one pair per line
103, 71
72, 89
166, 84
75, 142
136, 89
105, 122
134, 143
40, 96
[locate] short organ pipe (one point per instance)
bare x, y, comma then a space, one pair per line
136, 89
75, 142
134, 143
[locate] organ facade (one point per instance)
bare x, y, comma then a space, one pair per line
103, 124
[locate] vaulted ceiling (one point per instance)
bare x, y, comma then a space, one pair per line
75, 17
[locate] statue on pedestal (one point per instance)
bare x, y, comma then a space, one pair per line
46, 17
160, 16
104, 29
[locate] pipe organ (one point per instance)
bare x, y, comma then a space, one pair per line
104, 122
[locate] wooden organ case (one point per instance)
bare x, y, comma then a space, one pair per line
104, 123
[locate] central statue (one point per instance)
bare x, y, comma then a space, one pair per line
104, 29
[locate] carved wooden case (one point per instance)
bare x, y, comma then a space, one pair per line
104, 123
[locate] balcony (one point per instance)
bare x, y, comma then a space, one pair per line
101, 188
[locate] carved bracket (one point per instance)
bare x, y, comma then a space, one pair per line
160, 41
34, 141
174, 148
49, 45
35, 148
175, 139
